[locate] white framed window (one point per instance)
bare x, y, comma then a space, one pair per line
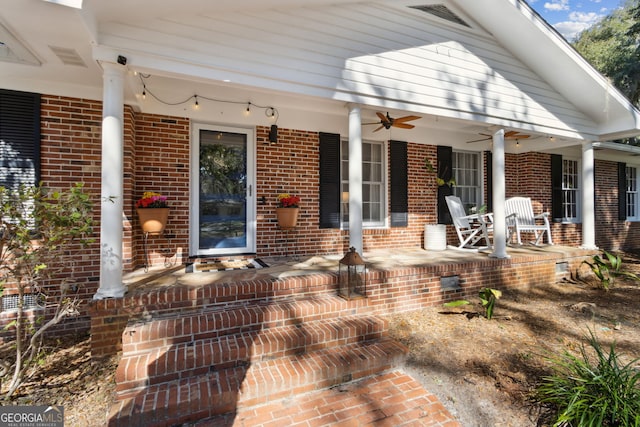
374, 185
570, 190
632, 194
467, 174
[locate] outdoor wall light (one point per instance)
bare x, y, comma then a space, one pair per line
273, 134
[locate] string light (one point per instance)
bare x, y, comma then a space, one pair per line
269, 111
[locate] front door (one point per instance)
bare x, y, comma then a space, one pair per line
222, 191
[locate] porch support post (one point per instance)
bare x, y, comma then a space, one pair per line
355, 178
111, 285
498, 191
588, 197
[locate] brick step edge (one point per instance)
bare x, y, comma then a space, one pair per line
225, 391
392, 398
187, 359
173, 328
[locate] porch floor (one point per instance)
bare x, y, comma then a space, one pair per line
138, 280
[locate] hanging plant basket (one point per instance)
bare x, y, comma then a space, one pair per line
153, 220
287, 217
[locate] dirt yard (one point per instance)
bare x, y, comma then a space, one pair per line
482, 370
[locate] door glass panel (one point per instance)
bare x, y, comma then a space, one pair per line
223, 190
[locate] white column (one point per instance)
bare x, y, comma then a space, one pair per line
588, 197
355, 178
498, 191
111, 285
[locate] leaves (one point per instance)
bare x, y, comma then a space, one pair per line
41, 232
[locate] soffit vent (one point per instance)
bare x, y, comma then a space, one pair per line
68, 56
443, 12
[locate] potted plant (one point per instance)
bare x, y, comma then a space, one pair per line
287, 210
435, 235
153, 211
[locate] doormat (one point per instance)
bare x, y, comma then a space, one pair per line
207, 265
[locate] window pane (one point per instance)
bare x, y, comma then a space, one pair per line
373, 173
366, 152
570, 186
466, 172
632, 193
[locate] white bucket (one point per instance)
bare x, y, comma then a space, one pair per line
435, 237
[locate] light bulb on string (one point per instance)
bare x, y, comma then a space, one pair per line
196, 105
247, 112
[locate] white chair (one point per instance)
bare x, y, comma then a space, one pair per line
471, 229
520, 218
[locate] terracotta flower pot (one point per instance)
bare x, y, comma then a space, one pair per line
153, 220
287, 217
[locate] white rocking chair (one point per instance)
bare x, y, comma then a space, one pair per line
520, 218
471, 229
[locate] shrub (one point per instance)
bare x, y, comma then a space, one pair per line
595, 390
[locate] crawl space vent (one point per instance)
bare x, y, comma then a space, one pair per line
443, 12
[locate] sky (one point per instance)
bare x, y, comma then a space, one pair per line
570, 17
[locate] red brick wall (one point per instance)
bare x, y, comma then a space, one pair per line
162, 166
156, 158
71, 135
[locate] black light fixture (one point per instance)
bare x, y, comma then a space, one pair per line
273, 134
122, 60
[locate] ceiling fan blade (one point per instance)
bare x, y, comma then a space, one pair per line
517, 136
379, 128
510, 133
478, 140
406, 119
382, 116
402, 125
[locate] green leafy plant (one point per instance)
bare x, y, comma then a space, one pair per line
608, 269
41, 233
488, 298
439, 177
592, 390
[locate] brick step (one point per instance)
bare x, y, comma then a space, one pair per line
228, 390
388, 399
163, 330
182, 360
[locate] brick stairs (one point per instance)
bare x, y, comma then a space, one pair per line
215, 357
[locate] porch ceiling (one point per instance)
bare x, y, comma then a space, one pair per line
316, 56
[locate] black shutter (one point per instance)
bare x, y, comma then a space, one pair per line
488, 200
329, 180
399, 184
556, 187
445, 171
622, 191
20, 138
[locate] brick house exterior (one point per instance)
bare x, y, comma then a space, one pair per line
157, 158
